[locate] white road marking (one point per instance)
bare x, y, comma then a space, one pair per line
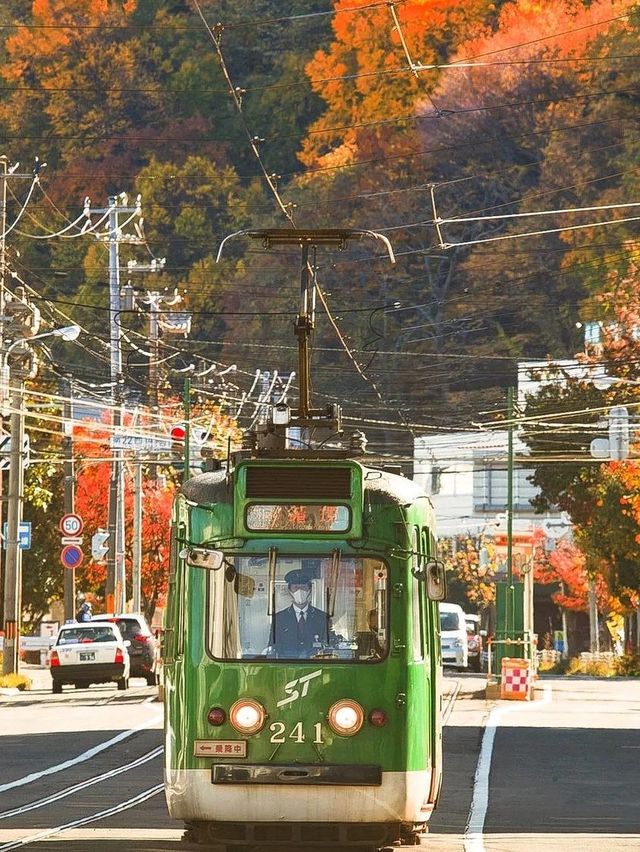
473, 834
68, 791
50, 832
86, 755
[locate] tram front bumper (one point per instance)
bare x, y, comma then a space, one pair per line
193, 795
296, 774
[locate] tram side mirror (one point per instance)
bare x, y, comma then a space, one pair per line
435, 579
200, 557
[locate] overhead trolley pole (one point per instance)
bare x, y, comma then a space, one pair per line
308, 240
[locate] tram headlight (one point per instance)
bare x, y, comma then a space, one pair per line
345, 717
247, 716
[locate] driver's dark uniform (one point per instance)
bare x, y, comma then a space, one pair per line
293, 638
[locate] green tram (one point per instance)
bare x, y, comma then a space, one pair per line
302, 664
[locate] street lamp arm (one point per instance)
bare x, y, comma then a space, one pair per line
68, 332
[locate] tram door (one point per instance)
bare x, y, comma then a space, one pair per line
420, 660
432, 634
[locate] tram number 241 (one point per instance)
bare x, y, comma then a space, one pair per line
280, 735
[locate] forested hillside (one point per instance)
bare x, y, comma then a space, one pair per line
226, 115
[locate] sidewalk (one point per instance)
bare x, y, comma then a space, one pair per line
38, 675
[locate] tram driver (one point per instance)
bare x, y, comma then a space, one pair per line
300, 630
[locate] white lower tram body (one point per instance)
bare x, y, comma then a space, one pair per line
401, 797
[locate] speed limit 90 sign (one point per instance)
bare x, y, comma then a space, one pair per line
71, 524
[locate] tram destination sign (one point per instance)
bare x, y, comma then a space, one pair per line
150, 443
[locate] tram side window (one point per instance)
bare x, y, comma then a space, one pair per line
172, 626
416, 589
295, 607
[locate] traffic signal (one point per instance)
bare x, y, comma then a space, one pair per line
99, 545
197, 438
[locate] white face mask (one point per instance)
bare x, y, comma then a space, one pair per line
301, 597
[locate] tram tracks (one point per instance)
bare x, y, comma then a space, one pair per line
121, 782
81, 758
450, 700
47, 833
82, 785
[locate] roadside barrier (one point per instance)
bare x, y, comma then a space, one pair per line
516, 680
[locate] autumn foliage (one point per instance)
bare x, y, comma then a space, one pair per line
93, 453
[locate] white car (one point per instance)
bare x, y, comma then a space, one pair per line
453, 636
89, 652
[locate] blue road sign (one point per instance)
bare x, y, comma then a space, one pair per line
24, 535
71, 556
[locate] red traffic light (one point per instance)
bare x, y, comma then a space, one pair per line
178, 432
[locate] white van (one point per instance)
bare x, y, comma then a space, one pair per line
453, 636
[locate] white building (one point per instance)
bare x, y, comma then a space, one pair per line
465, 473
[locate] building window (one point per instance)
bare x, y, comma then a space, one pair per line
490, 486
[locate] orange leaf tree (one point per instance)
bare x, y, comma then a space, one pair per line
472, 564
364, 75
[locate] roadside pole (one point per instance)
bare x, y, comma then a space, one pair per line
4, 168
137, 535
69, 491
186, 407
115, 589
13, 563
509, 599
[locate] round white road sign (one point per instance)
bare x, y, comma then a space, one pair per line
71, 525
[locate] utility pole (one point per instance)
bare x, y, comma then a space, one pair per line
25, 367
509, 602
594, 632
154, 299
116, 591
5, 173
13, 563
69, 489
4, 379
137, 536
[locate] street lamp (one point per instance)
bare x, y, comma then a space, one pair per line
603, 381
13, 564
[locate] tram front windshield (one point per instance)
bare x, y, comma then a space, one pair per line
285, 607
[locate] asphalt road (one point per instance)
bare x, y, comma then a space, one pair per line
557, 774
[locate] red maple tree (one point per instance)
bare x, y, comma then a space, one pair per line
92, 446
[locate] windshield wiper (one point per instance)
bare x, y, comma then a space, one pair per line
332, 592
271, 600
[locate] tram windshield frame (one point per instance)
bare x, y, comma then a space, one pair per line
291, 607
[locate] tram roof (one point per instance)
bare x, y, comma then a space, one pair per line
206, 489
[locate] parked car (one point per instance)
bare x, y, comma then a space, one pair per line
89, 652
453, 636
144, 649
475, 641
